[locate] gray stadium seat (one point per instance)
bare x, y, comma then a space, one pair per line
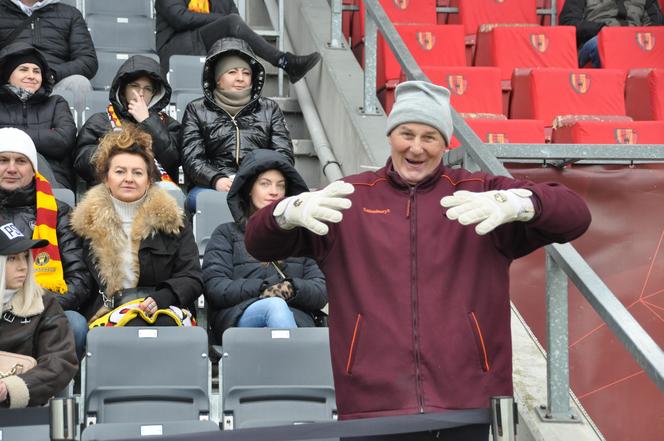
152, 374
177, 194
95, 101
109, 63
185, 72
276, 377
211, 210
111, 431
122, 34
28, 424
69, 97
181, 99
65, 195
74, 3
118, 8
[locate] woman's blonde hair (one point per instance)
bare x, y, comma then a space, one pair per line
130, 140
25, 294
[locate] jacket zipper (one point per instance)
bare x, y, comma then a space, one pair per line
412, 214
35, 28
25, 114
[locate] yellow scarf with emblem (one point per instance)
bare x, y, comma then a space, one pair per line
200, 6
48, 265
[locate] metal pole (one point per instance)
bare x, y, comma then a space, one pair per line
280, 72
336, 32
370, 37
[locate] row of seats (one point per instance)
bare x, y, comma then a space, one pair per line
157, 381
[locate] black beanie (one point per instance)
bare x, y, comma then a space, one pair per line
14, 62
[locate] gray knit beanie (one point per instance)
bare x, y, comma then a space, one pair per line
228, 62
424, 103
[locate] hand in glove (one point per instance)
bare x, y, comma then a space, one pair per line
310, 209
489, 209
283, 289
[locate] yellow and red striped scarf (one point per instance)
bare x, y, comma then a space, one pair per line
201, 6
48, 265
117, 124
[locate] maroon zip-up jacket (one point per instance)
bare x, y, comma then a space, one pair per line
419, 305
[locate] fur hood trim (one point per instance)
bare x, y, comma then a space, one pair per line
96, 220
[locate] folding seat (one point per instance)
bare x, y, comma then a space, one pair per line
65, 195
625, 47
122, 34
430, 44
505, 131
644, 94
185, 73
25, 424
109, 63
147, 375
587, 131
399, 12
472, 89
510, 47
95, 101
276, 377
474, 13
118, 8
73, 3
548, 92
114, 431
68, 95
181, 99
211, 211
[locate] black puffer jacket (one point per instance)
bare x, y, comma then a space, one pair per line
164, 129
233, 278
59, 31
213, 142
177, 26
20, 207
45, 117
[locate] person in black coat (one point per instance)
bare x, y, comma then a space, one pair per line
230, 120
192, 26
136, 240
138, 95
60, 33
27, 102
242, 291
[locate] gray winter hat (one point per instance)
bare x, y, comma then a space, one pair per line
424, 103
228, 62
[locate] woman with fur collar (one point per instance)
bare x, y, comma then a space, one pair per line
134, 234
33, 324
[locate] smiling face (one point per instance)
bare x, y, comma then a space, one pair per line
417, 150
235, 79
15, 171
16, 270
127, 178
27, 76
268, 187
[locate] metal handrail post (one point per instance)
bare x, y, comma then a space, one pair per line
554, 12
280, 72
370, 37
336, 32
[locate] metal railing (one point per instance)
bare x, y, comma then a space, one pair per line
562, 261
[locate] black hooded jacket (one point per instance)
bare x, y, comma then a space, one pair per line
213, 142
163, 129
233, 278
45, 117
20, 208
59, 31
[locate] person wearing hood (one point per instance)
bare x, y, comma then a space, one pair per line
230, 120
26, 102
240, 290
138, 95
27, 201
31, 324
191, 27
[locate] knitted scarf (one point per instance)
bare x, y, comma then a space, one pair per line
200, 6
117, 124
48, 265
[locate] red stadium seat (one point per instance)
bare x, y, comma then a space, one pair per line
609, 132
438, 45
509, 47
644, 94
548, 92
474, 13
505, 131
624, 47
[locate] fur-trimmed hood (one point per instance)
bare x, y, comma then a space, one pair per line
96, 221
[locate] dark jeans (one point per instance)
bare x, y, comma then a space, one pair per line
475, 432
232, 25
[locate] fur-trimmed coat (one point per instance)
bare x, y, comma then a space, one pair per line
37, 327
164, 253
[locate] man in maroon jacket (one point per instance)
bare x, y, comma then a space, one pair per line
418, 300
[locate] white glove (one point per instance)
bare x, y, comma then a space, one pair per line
309, 209
489, 209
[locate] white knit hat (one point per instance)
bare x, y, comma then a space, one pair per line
17, 141
424, 103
